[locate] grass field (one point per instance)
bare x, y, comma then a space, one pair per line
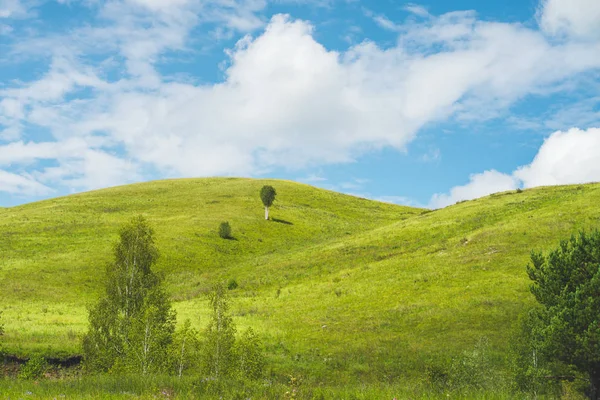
344, 291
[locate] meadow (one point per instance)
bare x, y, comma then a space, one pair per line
353, 298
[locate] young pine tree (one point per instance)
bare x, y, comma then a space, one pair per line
132, 326
566, 284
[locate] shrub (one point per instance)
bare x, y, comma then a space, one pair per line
519, 190
34, 368
232, 284
225, 230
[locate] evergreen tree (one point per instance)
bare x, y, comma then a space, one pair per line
566, 283
132, 326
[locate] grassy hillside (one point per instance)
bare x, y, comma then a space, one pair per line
341, 288
53, 253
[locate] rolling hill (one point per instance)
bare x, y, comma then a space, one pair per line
341, 288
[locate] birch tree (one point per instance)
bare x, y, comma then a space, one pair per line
267, 195
219, 356
132, 325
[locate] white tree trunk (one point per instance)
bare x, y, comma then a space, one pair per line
266, 212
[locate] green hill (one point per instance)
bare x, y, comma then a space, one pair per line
340, 287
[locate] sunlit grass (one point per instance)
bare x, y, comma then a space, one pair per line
344, 291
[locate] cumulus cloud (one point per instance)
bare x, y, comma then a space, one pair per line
564, 158
479, 185
285, 101
578, 18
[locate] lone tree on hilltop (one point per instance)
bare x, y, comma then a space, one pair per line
132, 326
267, 195
566, 283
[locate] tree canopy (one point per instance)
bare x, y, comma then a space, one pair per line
267, 195
566, 283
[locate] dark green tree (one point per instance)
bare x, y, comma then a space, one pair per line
566, 283
219, 356
225, 230
267, 195
132, 326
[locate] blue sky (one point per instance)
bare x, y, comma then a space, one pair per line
422, 103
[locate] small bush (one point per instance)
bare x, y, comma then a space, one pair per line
34, 368
225, 230
232, 284
519, 190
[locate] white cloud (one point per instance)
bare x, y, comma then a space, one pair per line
564, 158
417, 10
479, 185
579, 18
313, 178
12, 9
21, 185
285, 102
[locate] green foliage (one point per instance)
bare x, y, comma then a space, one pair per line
566, 283
1, 325
267, 195
232, 284
35, 368
250, 353
529, 367
218, 352
131, 327
225, 230
186, 349
472, 370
